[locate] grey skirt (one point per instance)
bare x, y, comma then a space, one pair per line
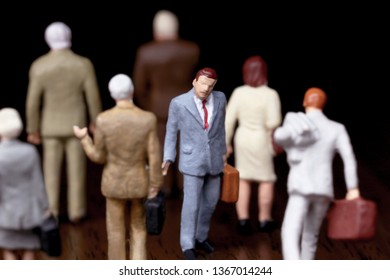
19, 239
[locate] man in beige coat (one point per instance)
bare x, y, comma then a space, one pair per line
126, 142
62, 92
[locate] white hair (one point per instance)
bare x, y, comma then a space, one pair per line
58, 36
165, 24
11, 125
121, 87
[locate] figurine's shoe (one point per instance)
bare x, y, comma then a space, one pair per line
267, 226
244, 227
190, 254
204, 246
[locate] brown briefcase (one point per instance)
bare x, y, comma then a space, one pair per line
352, 220
229, 184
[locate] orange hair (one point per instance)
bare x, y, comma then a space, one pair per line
315, 97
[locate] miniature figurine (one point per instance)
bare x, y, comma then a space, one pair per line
311, 141
62, 86
126, 142
257, 110
23, 199
198, 116
163, 68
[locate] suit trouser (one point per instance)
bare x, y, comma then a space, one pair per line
201, 195
54, 149
301, 225
116, 229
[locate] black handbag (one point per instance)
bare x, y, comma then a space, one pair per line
49, 235
155, 213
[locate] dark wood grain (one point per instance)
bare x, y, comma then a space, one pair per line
88, 240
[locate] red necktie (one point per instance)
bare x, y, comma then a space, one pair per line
206, 114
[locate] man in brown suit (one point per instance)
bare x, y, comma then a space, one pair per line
164, 68
62, 92
126, 142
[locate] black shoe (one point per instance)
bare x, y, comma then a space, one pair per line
267, 226
190, 254
244, 227
205, 246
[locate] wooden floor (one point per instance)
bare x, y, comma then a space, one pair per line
88, 240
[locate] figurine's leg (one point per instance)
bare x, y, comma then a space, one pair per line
209, 198
189, 212
242, 204
312, 225
28, 255
292, 226
9, 254
137, 230
53, 153
76, 169
116, 228
265, 201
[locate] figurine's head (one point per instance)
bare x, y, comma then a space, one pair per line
204, 82
58, 36
165, 25
255, 71
121, 87
315, 98
11, 125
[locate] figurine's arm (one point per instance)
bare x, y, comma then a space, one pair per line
140, 78
33, 103
92, 95
344, 147
95, 152
170, 140
154, 159
297, 129
273, 120
230, 122
38, 182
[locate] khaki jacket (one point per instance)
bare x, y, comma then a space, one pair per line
62, 92
126, 141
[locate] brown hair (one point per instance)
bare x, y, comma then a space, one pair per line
255, 71
208, 72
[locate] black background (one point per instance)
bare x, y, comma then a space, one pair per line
340, 48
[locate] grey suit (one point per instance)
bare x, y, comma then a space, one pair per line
200, 161
310, 184
23, 199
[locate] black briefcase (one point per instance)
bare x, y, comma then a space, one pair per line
155, 214
49, 236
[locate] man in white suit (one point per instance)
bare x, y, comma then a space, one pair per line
311, 140
199, 117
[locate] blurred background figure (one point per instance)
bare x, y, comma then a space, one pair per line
23, 200
125, 141
257, 110
311, 141
62, 92
164, 68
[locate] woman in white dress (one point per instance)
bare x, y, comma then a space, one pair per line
257, 110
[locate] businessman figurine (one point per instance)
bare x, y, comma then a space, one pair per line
311, 140
199, 117
164, 68
125, 141
62, 92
